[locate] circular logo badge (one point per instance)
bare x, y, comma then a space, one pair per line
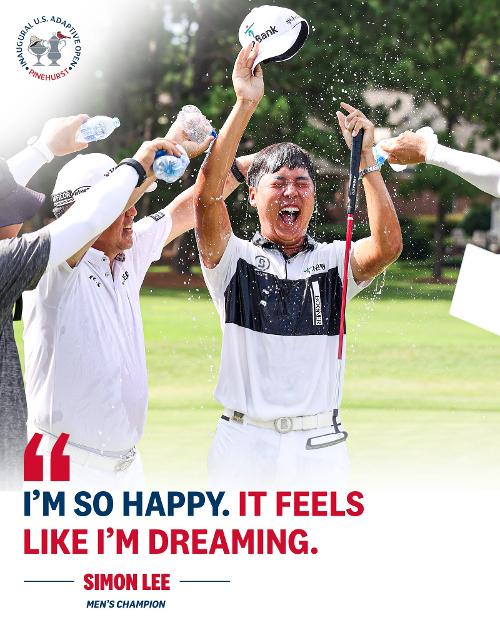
48, 48
262, 263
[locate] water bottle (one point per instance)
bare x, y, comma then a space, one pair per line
170, 168
381, 155
197, 128
195, 124
97, 128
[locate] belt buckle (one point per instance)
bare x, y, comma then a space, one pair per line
237, 417
283, 425
124, 463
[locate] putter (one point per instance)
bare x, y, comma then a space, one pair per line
338, 436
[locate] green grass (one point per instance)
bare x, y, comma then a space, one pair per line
421, 395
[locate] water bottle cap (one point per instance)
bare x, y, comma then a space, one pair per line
116, 122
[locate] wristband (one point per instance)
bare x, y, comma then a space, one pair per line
237, 173
41, 147
131, 162
368, 170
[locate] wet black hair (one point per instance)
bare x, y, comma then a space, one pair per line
274, 157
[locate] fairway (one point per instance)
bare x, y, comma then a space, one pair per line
421, 395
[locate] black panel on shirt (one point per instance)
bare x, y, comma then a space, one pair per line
265, 303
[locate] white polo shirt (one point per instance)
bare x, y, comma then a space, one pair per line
84, 344
280, 318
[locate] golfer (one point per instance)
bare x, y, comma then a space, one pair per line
23, 260
480, 171
279, 299
84, 342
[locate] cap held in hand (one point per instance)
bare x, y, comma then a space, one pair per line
280, 32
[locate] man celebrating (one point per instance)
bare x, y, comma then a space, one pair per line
24, 259
279, 300
84, 343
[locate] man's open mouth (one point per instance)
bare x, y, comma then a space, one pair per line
289, 215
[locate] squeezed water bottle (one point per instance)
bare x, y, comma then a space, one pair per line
195, 124
97, 128
196, 128
170, 168
381, 155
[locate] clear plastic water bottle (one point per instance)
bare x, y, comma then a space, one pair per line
170, 168
194, 123
381, 155
197, 128
97, 128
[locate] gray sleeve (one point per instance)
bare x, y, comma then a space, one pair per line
22, 263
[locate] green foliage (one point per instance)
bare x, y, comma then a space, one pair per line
478, 217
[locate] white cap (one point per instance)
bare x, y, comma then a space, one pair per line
280, 32
78, 175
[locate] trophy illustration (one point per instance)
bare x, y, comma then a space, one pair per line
37, 48
56, 44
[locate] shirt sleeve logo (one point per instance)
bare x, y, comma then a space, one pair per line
157, 216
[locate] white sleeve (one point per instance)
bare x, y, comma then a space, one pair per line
150, 235
25, 164
219, 276
92, 213
353, 288
481, 171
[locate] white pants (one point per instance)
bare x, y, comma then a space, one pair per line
243, 456
84, 476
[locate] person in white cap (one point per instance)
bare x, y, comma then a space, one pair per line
84, 343
480, 171
279, 298
24, 259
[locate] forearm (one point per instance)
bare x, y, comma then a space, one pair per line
90, 215
213, 174
182, 208
26, 163
385, 232
384, 244
481, 171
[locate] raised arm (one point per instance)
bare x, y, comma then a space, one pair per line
480, 171
56, 139
182, 208
372, 254
212, 224
94, 211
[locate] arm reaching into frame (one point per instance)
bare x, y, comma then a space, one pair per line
480, 171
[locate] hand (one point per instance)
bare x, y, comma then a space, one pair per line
59, 134
147, 152
407, 149
248, 86
351, 124
244, 163
177, 134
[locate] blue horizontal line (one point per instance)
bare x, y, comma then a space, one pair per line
49, 581
204, 581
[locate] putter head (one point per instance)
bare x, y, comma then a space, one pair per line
326, 440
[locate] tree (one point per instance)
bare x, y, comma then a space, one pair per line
449, 55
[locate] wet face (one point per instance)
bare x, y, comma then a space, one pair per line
117, 237
285, 203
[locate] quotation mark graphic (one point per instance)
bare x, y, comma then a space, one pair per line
33, 462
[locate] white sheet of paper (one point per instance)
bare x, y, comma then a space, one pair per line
477, 294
